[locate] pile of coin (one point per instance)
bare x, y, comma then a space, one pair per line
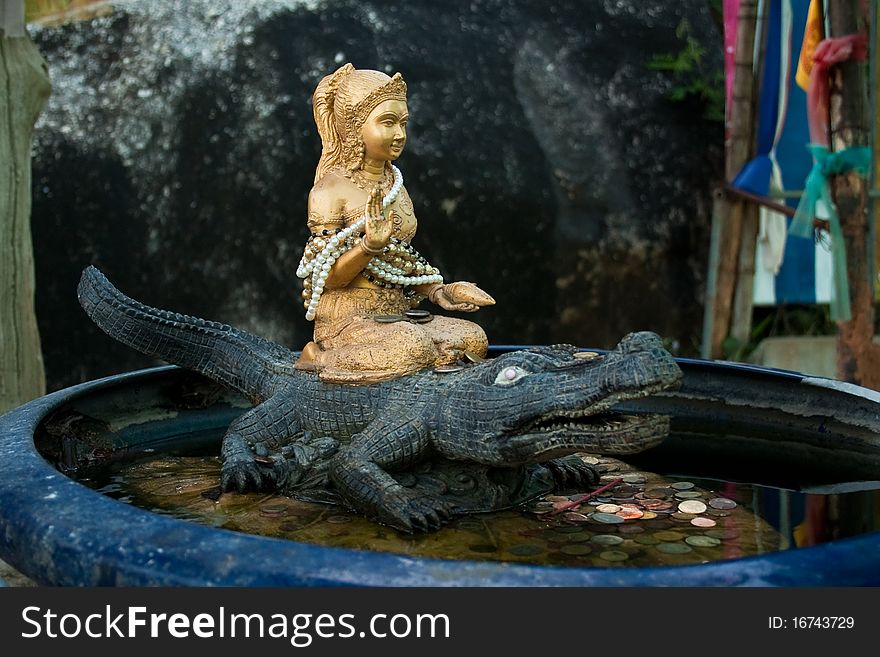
635, 515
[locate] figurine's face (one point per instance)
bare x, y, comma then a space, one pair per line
384, 131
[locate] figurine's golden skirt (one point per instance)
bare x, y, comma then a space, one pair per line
355, 348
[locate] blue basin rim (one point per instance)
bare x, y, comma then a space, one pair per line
59, 532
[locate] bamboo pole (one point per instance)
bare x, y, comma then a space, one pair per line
857, 356
24, 88
740, 148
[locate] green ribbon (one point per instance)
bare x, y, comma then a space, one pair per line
817, 189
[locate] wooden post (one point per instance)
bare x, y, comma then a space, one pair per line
24, 88
857, 357
740, 148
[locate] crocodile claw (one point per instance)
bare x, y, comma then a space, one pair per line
415, 513
572, 472
242, 474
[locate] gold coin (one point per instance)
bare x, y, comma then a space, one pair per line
669, 536
692, 506
648, 515
472, 357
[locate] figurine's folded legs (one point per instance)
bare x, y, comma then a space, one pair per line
452, 337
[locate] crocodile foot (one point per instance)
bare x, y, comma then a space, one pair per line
410, 512
572, 472
240, 471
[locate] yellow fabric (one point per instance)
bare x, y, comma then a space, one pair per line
813, 34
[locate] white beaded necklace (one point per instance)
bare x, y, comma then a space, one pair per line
318, 268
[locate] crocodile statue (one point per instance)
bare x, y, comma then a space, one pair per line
414, 451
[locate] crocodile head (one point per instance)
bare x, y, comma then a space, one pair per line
537, 404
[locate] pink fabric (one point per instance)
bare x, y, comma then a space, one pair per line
828, 53
731, 10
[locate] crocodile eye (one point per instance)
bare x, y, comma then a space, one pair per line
510, 375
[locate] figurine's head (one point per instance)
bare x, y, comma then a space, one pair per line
359, 113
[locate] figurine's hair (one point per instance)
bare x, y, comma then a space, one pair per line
341, 103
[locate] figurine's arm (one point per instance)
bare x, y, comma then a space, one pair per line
461, 296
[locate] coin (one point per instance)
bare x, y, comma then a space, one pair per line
648, 515
661, 506
575, 517
624, 492
445, 369
673, 548
688, 495
421, 320
633, 479
659, 493
540, 507
607, 518
568, 529
472, 357
339, 519
608, 508
669, 536
607, 539
661, 522
581, 537
678, 515
630, 529
576, 550
647, 539
722, 503
417, 314
718, 514
524, 549
701, 521
388, 319
592, 460
692, 506
650, 502
702, 541
629, 514
613, 555
586, 355
273, 510
682, 485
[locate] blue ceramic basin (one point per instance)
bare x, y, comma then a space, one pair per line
59, 532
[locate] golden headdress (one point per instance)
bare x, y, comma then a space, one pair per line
341, 103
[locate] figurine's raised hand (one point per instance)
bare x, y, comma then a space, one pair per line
378, 227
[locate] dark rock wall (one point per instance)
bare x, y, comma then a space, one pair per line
545, 159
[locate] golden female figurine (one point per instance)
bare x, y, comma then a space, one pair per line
361, 274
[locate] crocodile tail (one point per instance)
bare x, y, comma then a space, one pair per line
240, 360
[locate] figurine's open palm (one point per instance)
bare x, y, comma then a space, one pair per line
378, 227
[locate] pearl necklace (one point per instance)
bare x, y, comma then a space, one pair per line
314, 270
